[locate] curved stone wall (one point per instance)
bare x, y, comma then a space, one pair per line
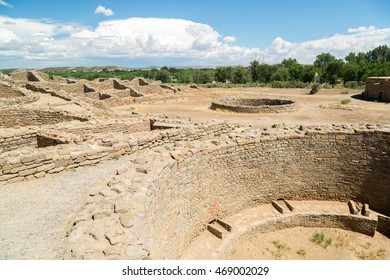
252, 105
240, 174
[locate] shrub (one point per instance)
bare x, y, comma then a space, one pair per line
346, 101
319, 238
315, 88
344, 91
352, 84
302, 252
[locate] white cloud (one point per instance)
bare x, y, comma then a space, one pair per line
3, 3
7, 36
361, 29
229, 39
103, 10
160, 37
59, 43
361, 39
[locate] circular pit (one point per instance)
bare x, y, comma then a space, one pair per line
253, 105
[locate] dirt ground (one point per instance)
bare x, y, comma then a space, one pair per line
322, 108
305, 244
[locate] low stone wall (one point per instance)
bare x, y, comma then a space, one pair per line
8, 92
20, 117
68, 132
250, 105
27, 164
384, 225
348, 222
13, 139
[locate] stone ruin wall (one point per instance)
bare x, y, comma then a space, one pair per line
226, 180
8, 92
242, 106
378, 88
18, 138
20, 117
20, 165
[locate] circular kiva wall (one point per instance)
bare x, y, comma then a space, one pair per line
251, 105
219, 182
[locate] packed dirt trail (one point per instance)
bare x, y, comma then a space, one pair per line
34, 214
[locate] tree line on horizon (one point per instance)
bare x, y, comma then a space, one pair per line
351, 71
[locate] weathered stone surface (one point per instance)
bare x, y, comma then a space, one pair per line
104, 210
121, 170
113, 250
136, 252
127, 219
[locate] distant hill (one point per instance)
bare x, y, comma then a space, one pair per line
85, 69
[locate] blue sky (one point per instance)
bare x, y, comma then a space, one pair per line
185, 33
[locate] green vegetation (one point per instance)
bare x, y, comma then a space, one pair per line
302, 252
346, 101
327, 71
319, 238
280, 249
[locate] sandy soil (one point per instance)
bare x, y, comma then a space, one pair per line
313, 109
57, 103
297, 244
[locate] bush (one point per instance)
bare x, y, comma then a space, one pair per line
344, 91
352, 84
315, 88
319, 238
288, 84
346, 101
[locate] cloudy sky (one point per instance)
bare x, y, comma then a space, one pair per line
135, 33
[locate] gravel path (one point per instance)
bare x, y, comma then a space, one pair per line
34, 214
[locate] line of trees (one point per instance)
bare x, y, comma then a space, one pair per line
351, 71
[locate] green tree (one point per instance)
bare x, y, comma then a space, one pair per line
255, 70
308, 73
380, 54
162, 75
223, 74
328, 67
238, 75
202, 76
281, 74
295, 69
265, 73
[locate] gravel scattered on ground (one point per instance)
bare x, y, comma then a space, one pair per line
34, 214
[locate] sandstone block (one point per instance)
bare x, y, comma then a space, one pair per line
113, 250
45, 167
136, 252
127, 219
56, 170
15, 180
104, 211
28, 172
40, 175
28, 158
17, 169
352, 207
277, 206
8, 177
